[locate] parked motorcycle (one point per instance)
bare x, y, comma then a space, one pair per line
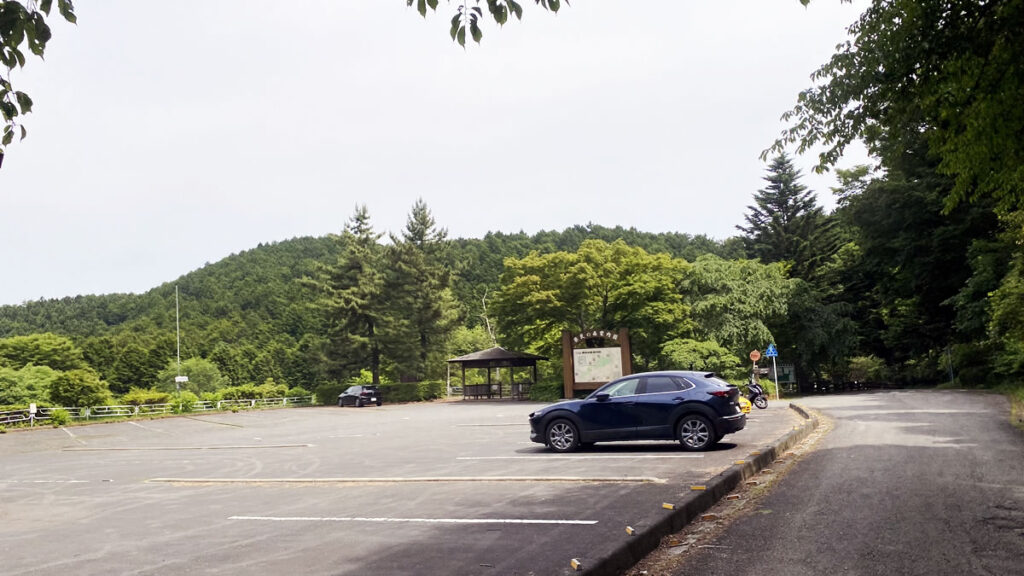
755, 393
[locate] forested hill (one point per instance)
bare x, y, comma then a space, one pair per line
258, 286
251, 314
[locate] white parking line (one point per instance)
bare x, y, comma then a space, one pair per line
421, 479
482, 425
234, 447
45, 481
581, 457
415, 520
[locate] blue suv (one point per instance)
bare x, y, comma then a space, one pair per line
695, 408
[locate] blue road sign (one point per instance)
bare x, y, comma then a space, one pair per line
771, 352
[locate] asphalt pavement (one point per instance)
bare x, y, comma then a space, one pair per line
907, 482
438, 488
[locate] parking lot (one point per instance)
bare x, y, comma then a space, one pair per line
438, 488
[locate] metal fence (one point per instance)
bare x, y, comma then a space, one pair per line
44, 414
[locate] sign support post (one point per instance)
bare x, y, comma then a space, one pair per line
773, 352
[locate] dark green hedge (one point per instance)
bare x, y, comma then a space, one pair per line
413, 391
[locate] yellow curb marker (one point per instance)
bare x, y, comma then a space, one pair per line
576, 564
755, 453
740, 462
668, 506
698, 487
630, 530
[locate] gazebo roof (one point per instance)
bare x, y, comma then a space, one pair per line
497, 356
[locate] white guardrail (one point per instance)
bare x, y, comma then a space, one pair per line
43, 414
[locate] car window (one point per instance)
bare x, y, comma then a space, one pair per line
623, 388
352, 390
656, 384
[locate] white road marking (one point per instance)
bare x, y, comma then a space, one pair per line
480, 425
581, 457
415, 520
45, 481
347, 436
234, 447
76, 438
146, 427
422, 479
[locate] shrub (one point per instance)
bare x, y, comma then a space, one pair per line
413, 391
59, 417
140, 396
546, 391
327, 393
246, 392
79, 388
271, 389
185, 401
298, 391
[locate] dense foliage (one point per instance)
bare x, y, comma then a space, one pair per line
22, 27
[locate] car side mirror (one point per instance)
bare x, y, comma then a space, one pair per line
602, 397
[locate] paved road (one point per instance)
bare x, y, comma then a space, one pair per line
922, 482
442, 488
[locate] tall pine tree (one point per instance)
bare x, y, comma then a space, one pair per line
419, 295
785, 224
352, 291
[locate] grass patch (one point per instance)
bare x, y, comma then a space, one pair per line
1015, 393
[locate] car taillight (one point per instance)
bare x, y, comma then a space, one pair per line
720, 393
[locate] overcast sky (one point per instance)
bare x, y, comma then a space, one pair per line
168, 135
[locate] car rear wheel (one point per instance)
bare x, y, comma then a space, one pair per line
563, 436
695, 433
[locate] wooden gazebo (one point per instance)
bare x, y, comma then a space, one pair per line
498, 357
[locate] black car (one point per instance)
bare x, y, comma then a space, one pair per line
360, 396
695, 408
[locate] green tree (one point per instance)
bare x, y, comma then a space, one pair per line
418, 291
785, 224
602, 286
468, 14
733, 302
1007, 319
203, 377
951, 71
22, 27
915, 261
79, 388
688, 354
57, 352
352, 294
25, 385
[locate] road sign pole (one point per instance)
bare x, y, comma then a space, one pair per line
775, 371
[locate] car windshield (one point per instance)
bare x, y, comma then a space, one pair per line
352, 390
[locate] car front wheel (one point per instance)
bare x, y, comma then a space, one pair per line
563, 436
695, 433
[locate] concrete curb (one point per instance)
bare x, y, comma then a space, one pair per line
649, 534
